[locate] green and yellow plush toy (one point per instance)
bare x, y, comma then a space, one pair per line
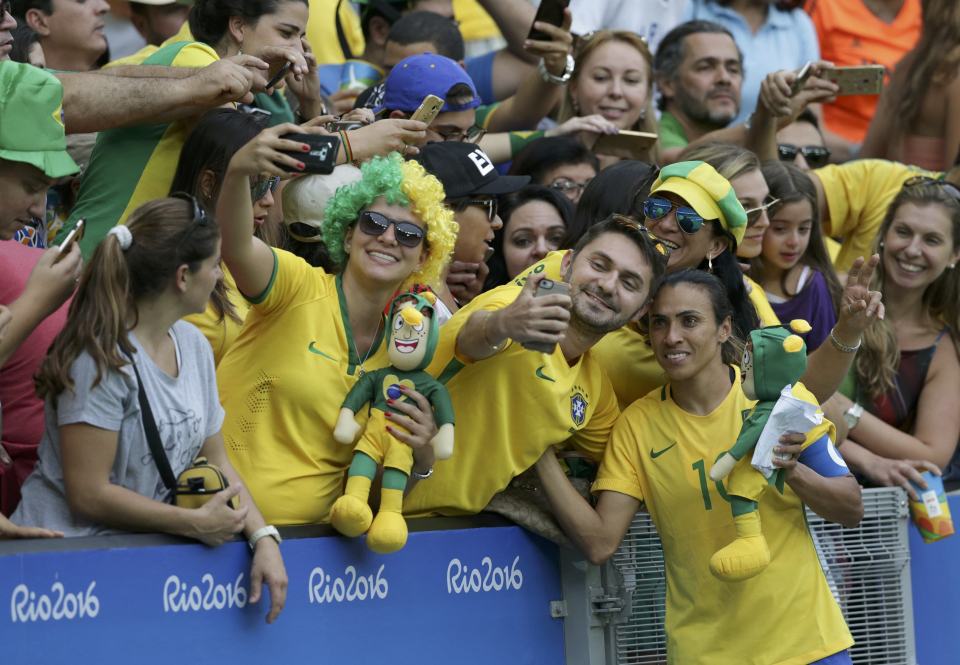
413, 340
774, 359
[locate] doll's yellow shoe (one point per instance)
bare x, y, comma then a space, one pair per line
351, 515
746, 556
388, 533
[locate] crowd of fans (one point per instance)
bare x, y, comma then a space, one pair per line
245, 297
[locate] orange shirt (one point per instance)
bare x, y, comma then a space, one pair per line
851, 35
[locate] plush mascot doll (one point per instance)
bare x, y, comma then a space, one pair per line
413, 339
774, 360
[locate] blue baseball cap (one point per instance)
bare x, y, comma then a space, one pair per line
415, 77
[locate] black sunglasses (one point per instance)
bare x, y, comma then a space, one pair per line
199, 216
816, 155
260, 186
373, 223
489, 205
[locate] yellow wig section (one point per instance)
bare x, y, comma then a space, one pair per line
426, 197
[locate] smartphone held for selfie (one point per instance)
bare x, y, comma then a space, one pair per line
866, 80
323, 152
429, 109
279, 75
626, 144
75, 236
547, 287
549, 11
802, 76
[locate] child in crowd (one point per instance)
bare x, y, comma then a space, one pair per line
793, 267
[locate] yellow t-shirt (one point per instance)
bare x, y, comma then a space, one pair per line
475, 22
183, 35
662, 455
282, 383
510, 408
222, 333
322, 30
858, 194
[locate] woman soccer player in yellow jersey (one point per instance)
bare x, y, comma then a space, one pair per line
311, 335
660, 454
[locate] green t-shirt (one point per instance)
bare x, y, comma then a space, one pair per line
372, 387
672, 133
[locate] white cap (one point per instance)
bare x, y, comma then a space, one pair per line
305, 199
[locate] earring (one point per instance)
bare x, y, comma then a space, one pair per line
952, 266
574, 106
346, 248
643, 115
710, 264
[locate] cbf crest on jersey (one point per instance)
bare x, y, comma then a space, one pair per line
578, 406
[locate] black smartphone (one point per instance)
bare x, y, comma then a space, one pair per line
323, 152
549, 11
284, 68
547, 287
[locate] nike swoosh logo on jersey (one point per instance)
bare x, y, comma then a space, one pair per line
313, 349
541, 375
654, 454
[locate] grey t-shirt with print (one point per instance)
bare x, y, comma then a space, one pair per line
186, 410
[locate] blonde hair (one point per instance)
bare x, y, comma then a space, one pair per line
648, 119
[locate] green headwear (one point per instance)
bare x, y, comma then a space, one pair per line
707, 192
779, 358
31, 119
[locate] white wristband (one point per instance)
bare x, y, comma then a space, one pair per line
264, 532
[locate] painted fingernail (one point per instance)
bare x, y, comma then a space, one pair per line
389, 401
305, 147
387, 414
301, 165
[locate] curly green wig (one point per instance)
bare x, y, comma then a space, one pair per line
399, 182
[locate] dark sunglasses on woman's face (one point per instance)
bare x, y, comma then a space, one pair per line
373, 223
816, 155
260, 187
656, 208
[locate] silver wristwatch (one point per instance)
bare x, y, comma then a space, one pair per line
557, 80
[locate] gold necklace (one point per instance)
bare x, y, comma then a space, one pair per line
360, 370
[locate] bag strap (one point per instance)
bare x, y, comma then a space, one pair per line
341, 34
152, 434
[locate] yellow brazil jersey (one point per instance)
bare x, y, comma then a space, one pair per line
858, 194
475, 22
510, 408
662, 455
282, 383
222, 334
322, 30
183, 35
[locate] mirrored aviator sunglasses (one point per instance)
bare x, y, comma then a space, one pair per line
373, 223
656, 207
260, 187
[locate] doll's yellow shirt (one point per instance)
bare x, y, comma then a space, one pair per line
624, 354
222, 333
282, 383
662, 455
510, 408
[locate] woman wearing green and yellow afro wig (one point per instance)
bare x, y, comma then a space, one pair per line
310, 335
399, 183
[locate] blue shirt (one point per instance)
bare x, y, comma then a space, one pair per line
786, 40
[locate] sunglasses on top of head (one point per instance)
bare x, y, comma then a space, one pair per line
657, 207
373, 223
